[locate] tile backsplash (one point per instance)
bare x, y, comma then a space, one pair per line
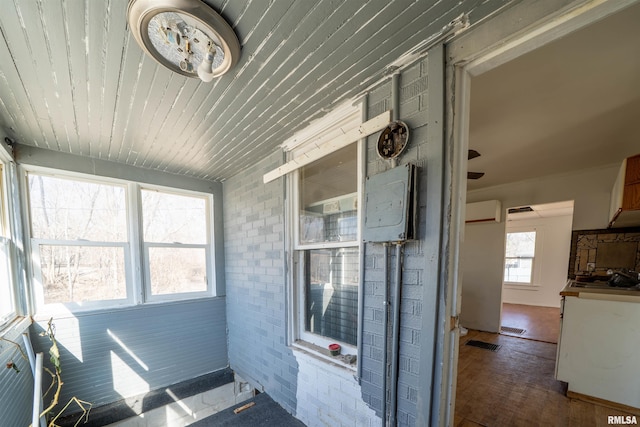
596, 251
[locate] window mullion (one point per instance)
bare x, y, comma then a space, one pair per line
136, 280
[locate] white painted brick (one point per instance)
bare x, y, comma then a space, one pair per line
328, 395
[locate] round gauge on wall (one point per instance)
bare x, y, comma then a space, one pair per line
393, 140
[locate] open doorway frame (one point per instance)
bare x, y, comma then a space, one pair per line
513, 32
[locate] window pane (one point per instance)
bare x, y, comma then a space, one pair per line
521, 244
328, 198
520, 251
82, 273
171, 218
518, 270
331, 294
64, 209
177, 270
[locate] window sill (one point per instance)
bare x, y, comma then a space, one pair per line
323, 355
12, 330
522, 287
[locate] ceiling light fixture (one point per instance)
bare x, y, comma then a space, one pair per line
186, 36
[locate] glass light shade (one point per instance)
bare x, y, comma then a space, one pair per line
179, 34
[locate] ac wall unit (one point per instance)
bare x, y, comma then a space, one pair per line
489, 211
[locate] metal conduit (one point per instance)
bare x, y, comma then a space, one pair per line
395, 337
385, 332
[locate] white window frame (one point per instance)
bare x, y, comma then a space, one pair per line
536, 255
317, 135
6, 239
137, 271
206, 246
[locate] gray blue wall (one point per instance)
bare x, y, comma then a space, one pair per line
16, 388
112, 354
413, 89
255, 268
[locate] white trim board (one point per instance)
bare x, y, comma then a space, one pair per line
320, 150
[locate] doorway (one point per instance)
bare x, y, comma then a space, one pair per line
551, 161
537, 248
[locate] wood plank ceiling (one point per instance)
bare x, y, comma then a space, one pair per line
73, 79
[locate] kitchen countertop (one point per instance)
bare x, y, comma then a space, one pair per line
601, 293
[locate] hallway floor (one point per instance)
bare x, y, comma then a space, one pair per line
515, 386
539, 323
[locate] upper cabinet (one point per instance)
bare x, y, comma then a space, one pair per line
625, 197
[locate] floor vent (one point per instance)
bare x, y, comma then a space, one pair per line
511, 330
483, 345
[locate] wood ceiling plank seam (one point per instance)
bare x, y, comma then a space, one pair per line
15, 101
16, 35
114, 50
296, 23
397, 39
268, 23
154, 136
133, 61
112, 152
139, 106
95, 56
58, 49
384, 38
330, 49
238, 16
75, 34
161, 113
152, 103
369, 65
144, 66
188, 95
7, 119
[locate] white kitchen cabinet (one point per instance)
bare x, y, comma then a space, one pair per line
599, 347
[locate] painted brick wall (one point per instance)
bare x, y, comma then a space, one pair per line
413, 92
315, 391
255, 278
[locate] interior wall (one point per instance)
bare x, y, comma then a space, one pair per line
553, 247
483, 246
113, 354
255, 274
482, 258
589, 189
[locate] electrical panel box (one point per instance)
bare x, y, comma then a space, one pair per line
390, 205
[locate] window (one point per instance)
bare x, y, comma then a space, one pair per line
327, 248
175, 231
79, 239
84, 244
7, 294
519, 257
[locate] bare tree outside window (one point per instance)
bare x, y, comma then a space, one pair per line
175, 235
80, 230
